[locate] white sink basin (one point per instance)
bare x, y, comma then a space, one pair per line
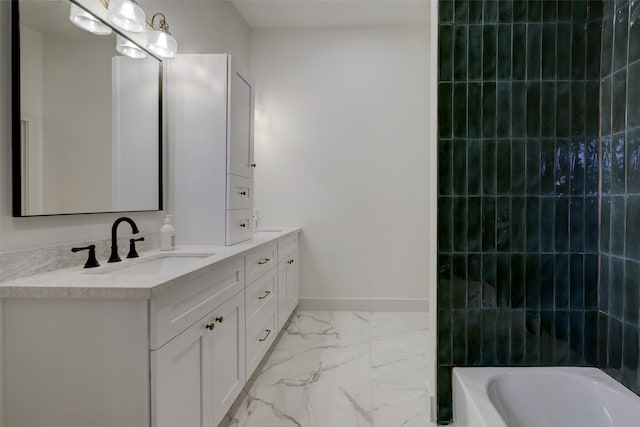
158, 264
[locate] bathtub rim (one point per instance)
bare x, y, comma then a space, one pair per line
471, 399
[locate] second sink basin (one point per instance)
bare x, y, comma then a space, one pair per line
158, 264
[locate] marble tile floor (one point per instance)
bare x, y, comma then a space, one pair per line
341, 369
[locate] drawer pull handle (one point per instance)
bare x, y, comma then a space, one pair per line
210, 326
253, 165
220, 319
243, 225
243, 193
268, 331
266, 294
291, 261
264, 261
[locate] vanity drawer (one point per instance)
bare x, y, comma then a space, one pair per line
239, 226
174, 310
260, 261
287, 246
239, 192
260, 295
259, 339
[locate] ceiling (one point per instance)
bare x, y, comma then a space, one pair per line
331, 13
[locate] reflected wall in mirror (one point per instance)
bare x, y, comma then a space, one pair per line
87, 121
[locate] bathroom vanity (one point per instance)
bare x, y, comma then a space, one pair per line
166, 340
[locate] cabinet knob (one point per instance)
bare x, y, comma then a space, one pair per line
253, 165
243, 225
210, 326
291, 261
243, 193
220, 319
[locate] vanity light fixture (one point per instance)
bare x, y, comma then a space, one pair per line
160, 41
127, 48
86, 21
126, 15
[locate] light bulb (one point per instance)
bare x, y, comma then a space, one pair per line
86, 21
162, 44
126, 15
128, 48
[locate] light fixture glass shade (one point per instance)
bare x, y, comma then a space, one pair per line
127, 48
126, 15
86, 21
162, 44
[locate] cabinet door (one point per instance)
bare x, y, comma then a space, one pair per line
228, 355
181, 393
240, 122
287, 288
282, 294
292, 283
197, 375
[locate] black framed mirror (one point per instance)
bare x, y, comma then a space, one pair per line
87, 120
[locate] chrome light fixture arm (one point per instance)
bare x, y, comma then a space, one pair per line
162, 25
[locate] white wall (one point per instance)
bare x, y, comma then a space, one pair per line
200, 27
342, 148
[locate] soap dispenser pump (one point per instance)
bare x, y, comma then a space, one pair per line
168, 235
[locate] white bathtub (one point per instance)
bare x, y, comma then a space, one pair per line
541, 397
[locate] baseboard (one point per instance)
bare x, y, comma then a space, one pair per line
364, 304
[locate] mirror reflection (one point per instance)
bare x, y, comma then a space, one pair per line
89, 133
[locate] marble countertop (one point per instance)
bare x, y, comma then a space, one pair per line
105, 282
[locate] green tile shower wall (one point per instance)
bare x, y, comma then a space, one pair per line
518, 172
619, 330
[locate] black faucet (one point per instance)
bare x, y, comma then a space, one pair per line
132, 247
91, 261
114, 236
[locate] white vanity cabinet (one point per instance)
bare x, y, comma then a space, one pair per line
176, 355
210, 144
288, 273
197, 339
176, 359
197, 375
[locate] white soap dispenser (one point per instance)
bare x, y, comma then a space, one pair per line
168, 235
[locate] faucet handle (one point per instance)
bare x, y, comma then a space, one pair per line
91, 261
132, 247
